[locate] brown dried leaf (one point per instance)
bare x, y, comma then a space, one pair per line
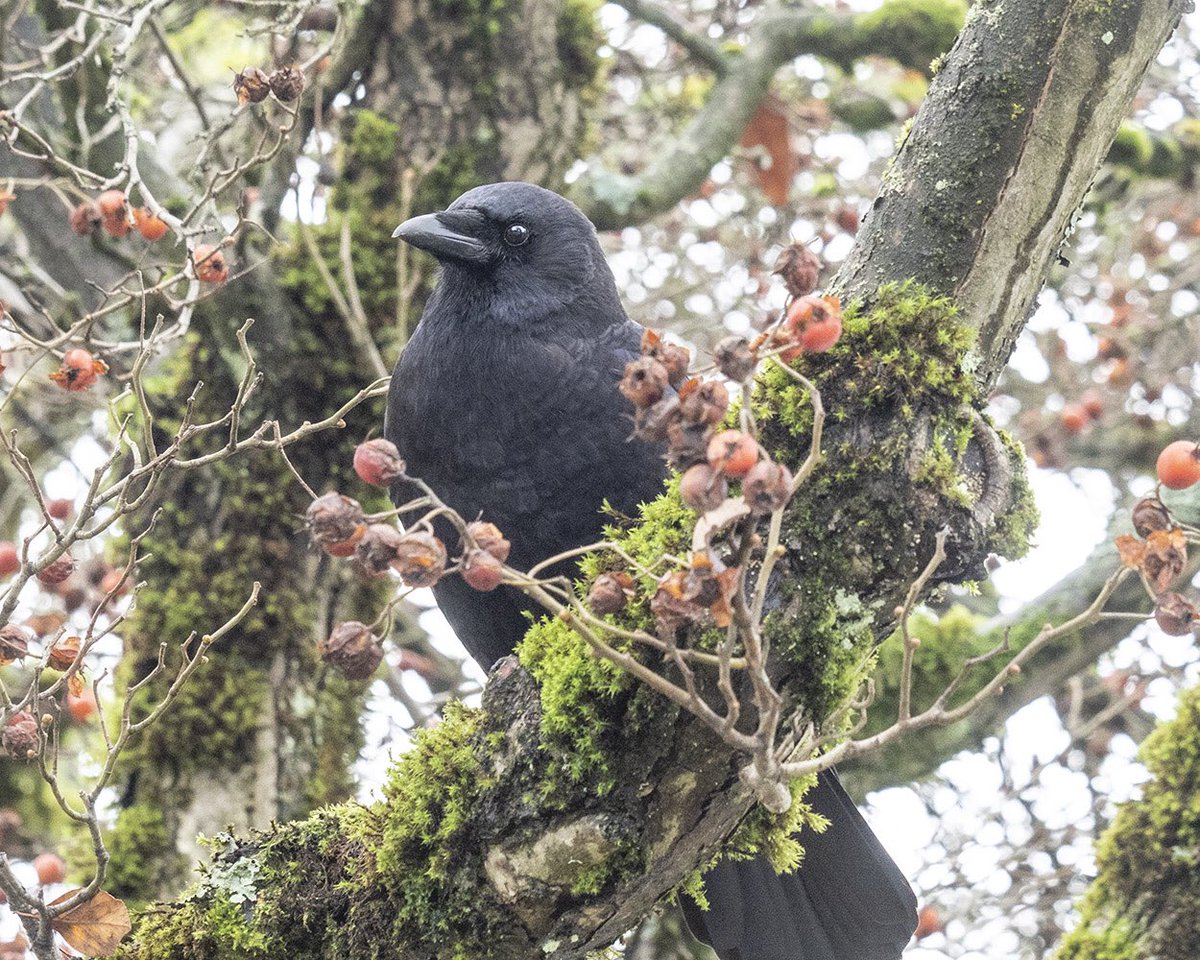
94, 928
1131, 550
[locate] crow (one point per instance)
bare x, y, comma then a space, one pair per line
505, 402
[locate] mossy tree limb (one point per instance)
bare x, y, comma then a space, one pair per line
911, 31
979, 198
1145, 902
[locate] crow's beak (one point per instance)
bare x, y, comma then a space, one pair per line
444, 235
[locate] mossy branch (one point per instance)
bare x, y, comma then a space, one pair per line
911, 31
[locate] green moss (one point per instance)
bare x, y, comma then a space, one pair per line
1145, 900
914, 32
779, 836
1133, 146
578, 43
143, 858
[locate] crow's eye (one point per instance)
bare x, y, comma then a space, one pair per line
516, 234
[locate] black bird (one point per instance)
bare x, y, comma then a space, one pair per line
505, 402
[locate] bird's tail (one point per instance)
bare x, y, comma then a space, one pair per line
847, 901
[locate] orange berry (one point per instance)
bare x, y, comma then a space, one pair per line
482, 571
1074, 418
148, 225
1179, 465
79, 370
112, 203
820, 335
210, 264
732, 452
83, 707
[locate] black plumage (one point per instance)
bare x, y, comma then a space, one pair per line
505, 401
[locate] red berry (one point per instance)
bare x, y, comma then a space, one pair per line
732, 452
1074, 418
1093, 403
820, 335
58, 570
210, 264
59, 509
1179, 465
10, 558
50, 868
482, 571
378, 462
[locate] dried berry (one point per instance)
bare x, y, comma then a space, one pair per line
85, 218
63, 653
1175, 614
20, 737
732, 452
420, 559
148, 225
58, 570
767, 487
487, 536
14, 643
1149, 515
800, 269
210, 264
482, 571
378, 462
10, 558
335, 519
252, 85
1179, 465
610, 592
702, 488
376, 549
353, 650
652, 423
687, 443
674, 358
79, 370
704, 402
645, 382
734, 358
287, 83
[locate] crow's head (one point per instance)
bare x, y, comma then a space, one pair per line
524, 248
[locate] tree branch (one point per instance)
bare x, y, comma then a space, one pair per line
980, 196
777, 35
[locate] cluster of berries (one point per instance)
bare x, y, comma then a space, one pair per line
339, 526
253, 85
112, 212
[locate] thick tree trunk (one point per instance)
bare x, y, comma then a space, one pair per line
548, 823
